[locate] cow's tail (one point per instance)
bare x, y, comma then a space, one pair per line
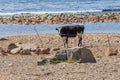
83, 35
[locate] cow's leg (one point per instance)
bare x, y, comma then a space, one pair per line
79, 39
63, 38
65, 41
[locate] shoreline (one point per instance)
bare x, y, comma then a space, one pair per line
62, 18
55, 34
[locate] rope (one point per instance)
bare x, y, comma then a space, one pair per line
38, 35
109, 45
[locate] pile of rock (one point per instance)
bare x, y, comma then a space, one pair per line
27, 49
78, 54
63, 18
81, 54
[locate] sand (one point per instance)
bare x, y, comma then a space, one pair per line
19, 67
97, 42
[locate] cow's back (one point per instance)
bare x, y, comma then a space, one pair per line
71, 31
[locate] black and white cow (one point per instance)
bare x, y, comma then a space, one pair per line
71, 31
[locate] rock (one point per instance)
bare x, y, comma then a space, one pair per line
81, 54
28, 46
10, 65
55, 49
25, 52
111, 52
28, 49
42, 61
35, 52
15, 50
2, 52
61, 55
11, 46
41, 51
44, 51
3, 39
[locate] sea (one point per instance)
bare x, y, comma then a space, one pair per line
35, 7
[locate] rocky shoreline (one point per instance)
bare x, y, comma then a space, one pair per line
19, 62
62, 18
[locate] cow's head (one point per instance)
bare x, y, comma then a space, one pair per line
58, 29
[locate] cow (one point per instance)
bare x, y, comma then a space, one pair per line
71, 31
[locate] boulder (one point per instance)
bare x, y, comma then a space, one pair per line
80, 54
61, 55
11, 46
15, 50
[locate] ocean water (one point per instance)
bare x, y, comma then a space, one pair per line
13, 7
19, 7
18, 29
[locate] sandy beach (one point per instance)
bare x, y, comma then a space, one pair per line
19, 67
32, 49
97, 42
